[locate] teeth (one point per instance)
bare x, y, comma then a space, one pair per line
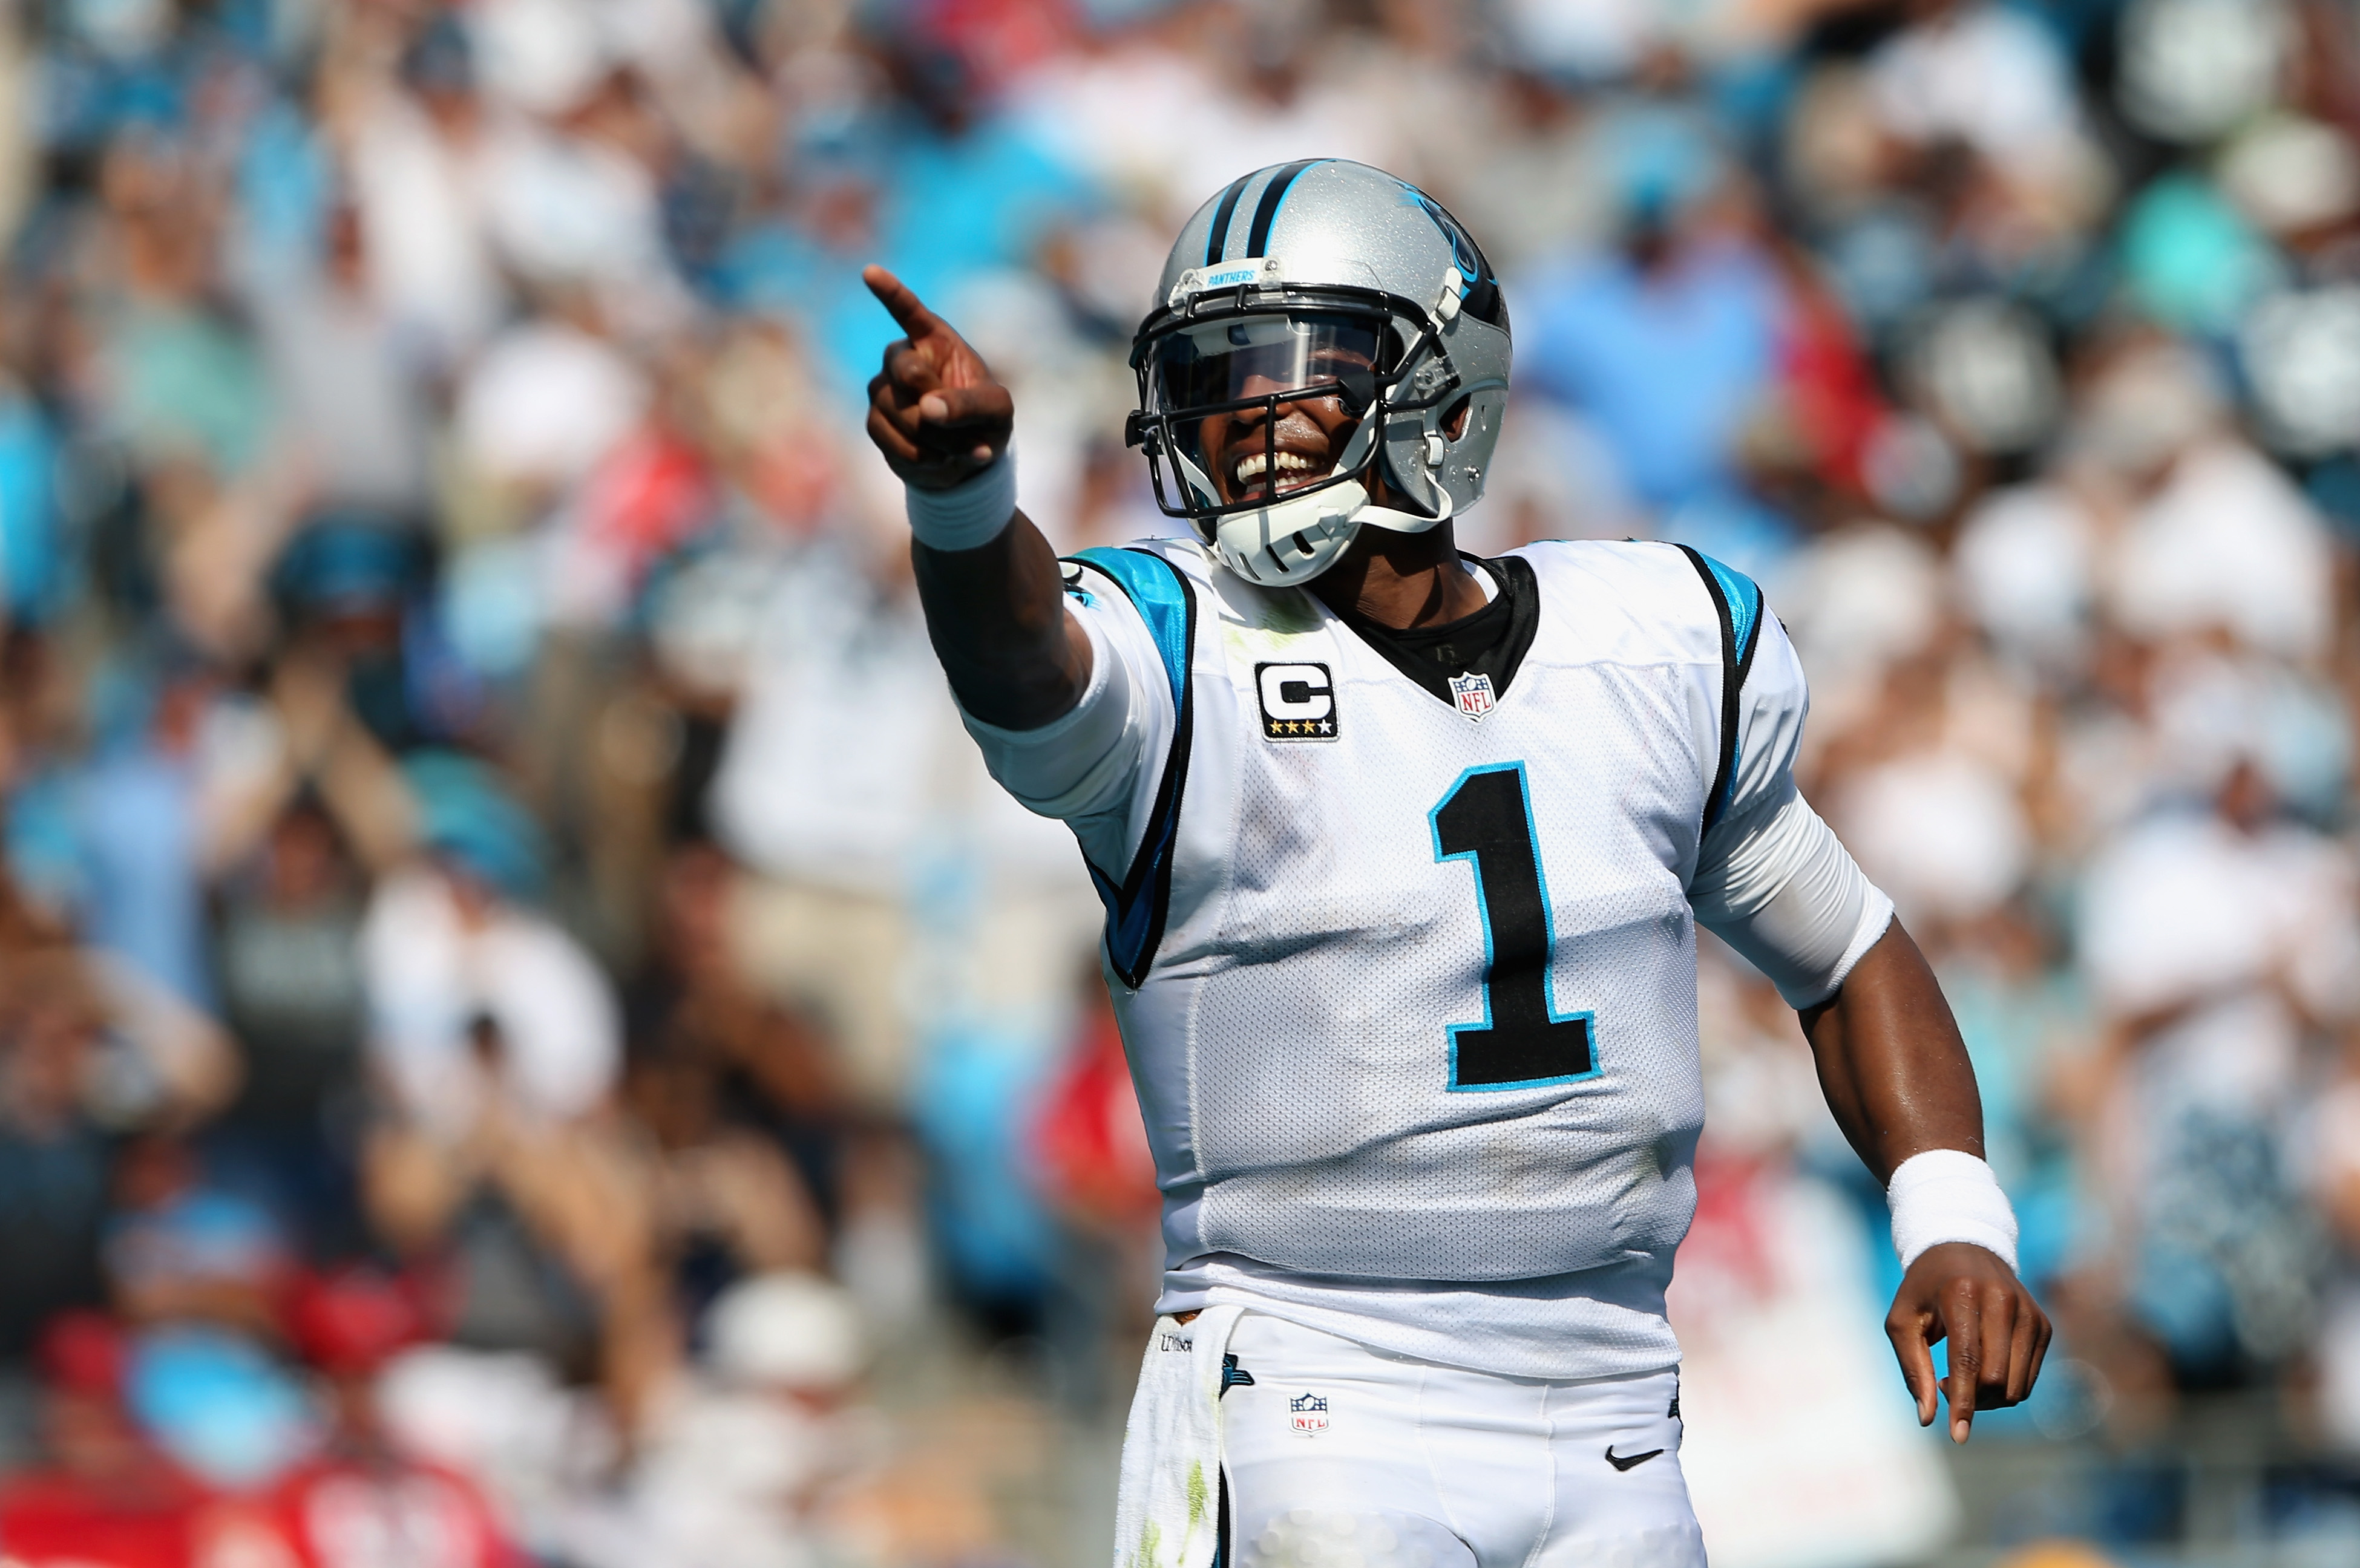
1252, 464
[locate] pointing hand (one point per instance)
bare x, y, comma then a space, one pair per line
1998, 1334
933, 410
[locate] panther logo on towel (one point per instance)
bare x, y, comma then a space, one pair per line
1310, 1413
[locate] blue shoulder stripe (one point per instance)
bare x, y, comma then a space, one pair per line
1744, 601
1137, 906
1738, 604
1153, 585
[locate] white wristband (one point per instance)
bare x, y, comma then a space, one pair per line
970, 513
1947, 1195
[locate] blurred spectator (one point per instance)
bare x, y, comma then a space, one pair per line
88, 1048
731, 1202
738, 1460
718, 1050
2331, 1170
178, 1249
362, 1500
2211, 939
1979, 74
1665, 341
474, 996
830, 806
529, 1218
220, 1405
104, 1495
351, 392
291, 988
139, 830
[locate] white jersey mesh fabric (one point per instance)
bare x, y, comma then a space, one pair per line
1361, 1122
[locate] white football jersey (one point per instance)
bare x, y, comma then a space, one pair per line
1409, 985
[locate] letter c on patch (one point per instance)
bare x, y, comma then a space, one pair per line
1296, 692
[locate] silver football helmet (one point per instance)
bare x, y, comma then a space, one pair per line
1317, 323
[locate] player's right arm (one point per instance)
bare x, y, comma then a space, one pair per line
1065, 694
996, 613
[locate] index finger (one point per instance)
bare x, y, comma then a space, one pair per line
908, 309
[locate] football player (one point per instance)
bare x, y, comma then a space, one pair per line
1403, 853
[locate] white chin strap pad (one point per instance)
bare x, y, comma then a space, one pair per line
1297, 539
1293, 541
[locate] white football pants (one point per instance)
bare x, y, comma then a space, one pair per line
1341, 1456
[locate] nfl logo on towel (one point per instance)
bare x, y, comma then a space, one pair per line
1474, 694
1310, 1414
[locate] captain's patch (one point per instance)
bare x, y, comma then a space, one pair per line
1298, 702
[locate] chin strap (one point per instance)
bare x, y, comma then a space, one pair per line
1331, 517
1400, 522
1404, 522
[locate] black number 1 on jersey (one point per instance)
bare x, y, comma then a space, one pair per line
1522, 1041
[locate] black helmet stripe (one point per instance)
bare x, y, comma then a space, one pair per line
1217, 237
1266, 210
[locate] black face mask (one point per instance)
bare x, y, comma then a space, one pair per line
1224, 389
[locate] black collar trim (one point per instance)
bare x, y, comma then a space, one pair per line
1490, 651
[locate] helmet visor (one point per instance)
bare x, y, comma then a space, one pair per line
1260, 405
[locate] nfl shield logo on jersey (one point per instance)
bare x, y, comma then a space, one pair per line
1474, 693
1310, 1413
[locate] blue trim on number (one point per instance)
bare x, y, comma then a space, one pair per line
1483, 912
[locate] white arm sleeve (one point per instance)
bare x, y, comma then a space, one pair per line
1772, 880
1096, 766
1787, 896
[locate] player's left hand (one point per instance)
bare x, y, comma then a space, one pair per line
1997, 1331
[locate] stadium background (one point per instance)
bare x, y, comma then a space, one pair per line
524, 1030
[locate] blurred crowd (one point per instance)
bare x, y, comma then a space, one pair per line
518, 1006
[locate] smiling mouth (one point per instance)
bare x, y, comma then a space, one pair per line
1250, 474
